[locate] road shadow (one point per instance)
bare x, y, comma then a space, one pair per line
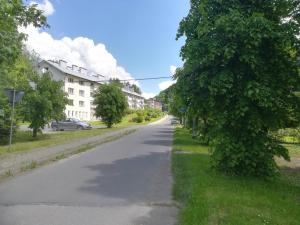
132, 179
168, 131
159, 142
162, 135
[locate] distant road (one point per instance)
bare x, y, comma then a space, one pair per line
125, 182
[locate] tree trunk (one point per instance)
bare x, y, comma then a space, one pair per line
34, 132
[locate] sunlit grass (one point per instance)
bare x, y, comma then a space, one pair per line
23, 141
210, 198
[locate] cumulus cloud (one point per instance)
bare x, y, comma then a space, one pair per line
148, 95
46, 6
165, 84
80, 51
173, 69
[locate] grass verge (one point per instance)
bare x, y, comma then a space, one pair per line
25, 142
209, 198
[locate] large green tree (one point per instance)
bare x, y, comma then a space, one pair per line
44, 102
14, 13
110, 104
241, 59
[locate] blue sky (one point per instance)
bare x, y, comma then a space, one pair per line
139, 34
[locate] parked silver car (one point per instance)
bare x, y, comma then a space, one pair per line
70, 124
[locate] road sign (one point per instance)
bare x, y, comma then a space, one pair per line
14, 95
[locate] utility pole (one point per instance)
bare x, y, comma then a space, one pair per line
12, 118
14, 97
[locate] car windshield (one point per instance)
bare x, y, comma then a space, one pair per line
75, 120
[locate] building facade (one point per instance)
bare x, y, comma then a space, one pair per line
80, 84
153, 103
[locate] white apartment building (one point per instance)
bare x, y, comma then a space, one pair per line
79, 83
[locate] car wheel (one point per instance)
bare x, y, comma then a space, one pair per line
79, 128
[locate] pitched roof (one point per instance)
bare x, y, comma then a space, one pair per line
74, 73
83, 76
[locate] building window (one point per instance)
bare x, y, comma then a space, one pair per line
81, 93
71, 102
81, 103
81, 82
70, 80
45, 70
71, 91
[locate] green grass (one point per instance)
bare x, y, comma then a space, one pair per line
23, 141
96, 123
127, 120
210, 198
294, 149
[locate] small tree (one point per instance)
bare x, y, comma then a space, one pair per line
46, 102
110, 104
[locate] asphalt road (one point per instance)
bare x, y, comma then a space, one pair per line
125, 182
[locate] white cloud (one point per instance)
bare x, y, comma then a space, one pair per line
46, 6
148, 95
165, 84
80, 51
173, 69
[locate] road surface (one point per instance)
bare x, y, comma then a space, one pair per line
125, 182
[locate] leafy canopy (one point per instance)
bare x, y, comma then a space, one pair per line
110, 104
45, 102
241, 66
13, 67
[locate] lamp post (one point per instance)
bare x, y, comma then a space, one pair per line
14, 97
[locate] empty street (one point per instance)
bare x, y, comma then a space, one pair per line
124, 182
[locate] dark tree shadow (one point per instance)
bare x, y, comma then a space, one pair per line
130, 179
159, 142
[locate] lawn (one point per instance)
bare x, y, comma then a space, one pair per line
25, 142
210, 198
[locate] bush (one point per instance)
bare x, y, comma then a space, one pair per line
285, 135
141, 113
138, 119
129, 111
147, 118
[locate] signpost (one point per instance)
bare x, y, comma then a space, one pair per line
14, 97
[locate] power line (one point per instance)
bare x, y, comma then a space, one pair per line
113, 79
148, 78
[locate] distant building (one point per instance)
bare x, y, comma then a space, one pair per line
80, 84
153, 103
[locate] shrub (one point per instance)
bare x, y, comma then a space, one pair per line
138, 119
